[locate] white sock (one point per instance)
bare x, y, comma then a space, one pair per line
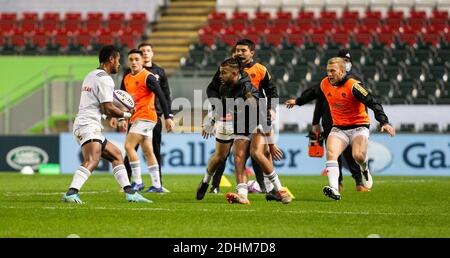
242, 190
80, 177
268, 184
365, 165
207, 177
333, 173
120, 173
136, 170
273, 178
154, 174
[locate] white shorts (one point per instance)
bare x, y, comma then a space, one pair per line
84, 133
143, 127
224, 131
348, 135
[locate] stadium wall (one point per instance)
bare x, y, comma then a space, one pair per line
188, 154
402, 155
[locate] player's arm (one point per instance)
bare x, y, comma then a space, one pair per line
109, 109
105, 96
164, 83
363, 95
269, 88
255, 97
152, 84
213, 89
318, 110
308, 95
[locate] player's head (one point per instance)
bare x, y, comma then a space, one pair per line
245, 50
335, 70
229, 71
109, 56
135, 60
345, 54
147, 51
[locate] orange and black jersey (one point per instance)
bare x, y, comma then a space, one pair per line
152, 86
322, 109
359, 92
161, 77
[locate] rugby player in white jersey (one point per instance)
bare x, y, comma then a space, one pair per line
97, 98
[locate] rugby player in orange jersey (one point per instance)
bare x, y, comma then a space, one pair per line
348, 100
142, 85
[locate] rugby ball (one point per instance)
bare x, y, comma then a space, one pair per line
123, 100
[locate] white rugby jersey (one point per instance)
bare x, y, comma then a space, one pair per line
97, 88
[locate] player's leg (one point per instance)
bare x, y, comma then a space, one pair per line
131, 141
241, 147
224, 134
354, 168
156, 142
126, 162
336, 143
215, 184
111, 153
152, 165
91, 151
219, 156
90, 139
341, 178
360, 142
259, 150
259, 174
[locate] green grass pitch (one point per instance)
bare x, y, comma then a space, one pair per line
397, 207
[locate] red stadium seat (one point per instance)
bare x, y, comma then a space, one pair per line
217, 16
262, 15
260, 24
62, 38
373, 14
40, 39
431, 38
138, 16
30, 16
328, 15
116, 16
127, 40
350, 15
8, 16
284, 16
362, 35
137, 27
239, 16
51, 16
94, 16
18, 38
72, 16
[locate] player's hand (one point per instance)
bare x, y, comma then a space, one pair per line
122, 126
389, 129
169, 124
277, 154
273, 115
290, 103
206, 134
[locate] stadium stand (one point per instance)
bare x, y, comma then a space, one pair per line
400, 46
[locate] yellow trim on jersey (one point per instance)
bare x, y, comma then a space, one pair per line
360, 88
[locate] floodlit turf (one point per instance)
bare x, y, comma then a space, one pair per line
397, 207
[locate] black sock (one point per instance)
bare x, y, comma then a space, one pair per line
127, 189
72, 191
